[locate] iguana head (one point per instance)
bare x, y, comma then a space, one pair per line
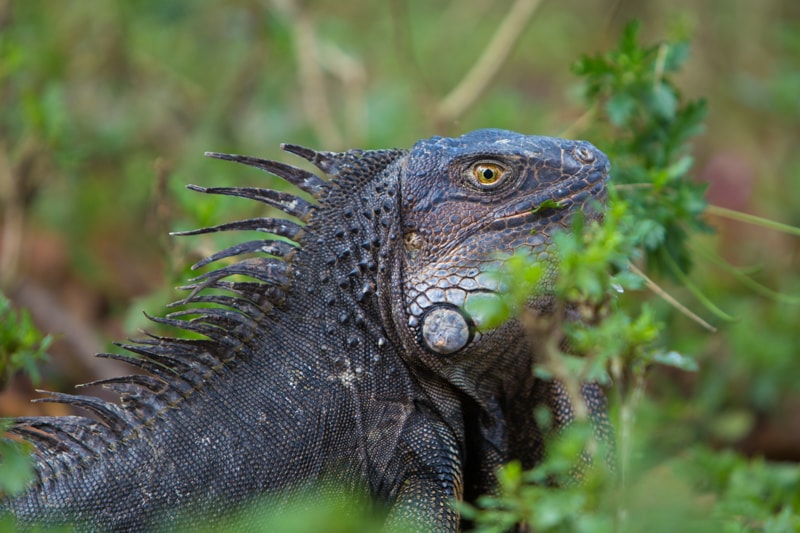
470, 200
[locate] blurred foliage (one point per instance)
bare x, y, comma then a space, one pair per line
106, 110
16, 468
22, 346
328, 508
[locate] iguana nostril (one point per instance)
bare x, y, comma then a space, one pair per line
445, 329
585, 155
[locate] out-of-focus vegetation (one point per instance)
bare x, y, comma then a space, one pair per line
22, 347
105, 112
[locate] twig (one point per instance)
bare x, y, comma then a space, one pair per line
744, 278
670, 300
631, 186
691, 287
13, 221
484, 70
579, 124
353, 76
752, 219
661, 62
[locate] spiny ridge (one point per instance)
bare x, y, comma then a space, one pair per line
268, 270
218, 316
175, 369
359, 167
327, 162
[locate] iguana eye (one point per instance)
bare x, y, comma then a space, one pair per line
488, 173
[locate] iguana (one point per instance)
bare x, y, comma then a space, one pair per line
337, 345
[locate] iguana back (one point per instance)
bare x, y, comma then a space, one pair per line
335, 347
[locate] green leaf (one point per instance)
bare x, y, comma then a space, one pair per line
487, 310
680, 168
547, 204
676, 360
22, 347
676, 55
16, 470
628, 43
664, 101
620, 108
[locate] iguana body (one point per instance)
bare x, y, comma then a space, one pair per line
346, 355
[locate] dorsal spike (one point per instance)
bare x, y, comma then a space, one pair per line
278, 226
51, 431
328, 162
193, 345
142, 403
251, 309
288, 203
268, 246
304, 180
220, 335
263, 295
157, 355
219, 316
151, 383
76, 434
256, 292
46, 440
167, 374
111, 414
271, 271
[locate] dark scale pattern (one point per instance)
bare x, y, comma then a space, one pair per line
312, 364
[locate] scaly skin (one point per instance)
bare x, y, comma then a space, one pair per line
350, 355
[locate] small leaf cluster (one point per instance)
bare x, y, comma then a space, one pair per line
22, 346
593, 271
528, 497
648, 127
698, 491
